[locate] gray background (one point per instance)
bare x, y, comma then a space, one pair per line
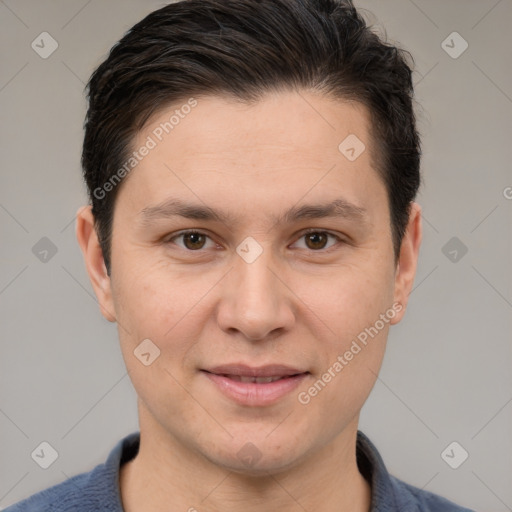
447, 373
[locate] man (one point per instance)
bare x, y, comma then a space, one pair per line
252, 168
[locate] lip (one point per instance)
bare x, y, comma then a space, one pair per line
253, 393
243, 370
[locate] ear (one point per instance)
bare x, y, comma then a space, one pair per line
94, 262
408, 260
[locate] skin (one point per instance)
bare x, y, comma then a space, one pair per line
299, 303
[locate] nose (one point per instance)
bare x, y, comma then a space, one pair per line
255, 302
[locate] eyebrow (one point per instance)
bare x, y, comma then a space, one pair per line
339, 208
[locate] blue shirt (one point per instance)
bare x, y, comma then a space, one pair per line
98, 489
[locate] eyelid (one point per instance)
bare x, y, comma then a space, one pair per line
187, 232
298, 236
307, 231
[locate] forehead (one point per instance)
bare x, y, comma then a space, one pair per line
296, 122
287, 143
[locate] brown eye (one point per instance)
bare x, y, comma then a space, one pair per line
316, 240
193, 240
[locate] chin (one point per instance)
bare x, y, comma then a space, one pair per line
260, 468
258, 458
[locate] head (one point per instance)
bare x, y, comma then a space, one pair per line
242, 120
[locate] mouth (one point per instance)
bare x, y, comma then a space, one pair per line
274, 371
258, 380
255, 386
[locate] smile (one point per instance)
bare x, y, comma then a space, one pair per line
256, 390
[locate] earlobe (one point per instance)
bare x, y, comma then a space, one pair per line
408, 260
94, 262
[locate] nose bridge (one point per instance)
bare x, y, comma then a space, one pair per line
255, 280
256, 302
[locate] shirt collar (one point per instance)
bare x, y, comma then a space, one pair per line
372, 467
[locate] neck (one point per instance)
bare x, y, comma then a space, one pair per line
165, 474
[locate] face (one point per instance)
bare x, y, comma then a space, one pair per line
247, 238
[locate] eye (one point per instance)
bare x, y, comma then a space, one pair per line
192, 240
316, 240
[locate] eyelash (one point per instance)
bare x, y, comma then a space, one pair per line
303, 234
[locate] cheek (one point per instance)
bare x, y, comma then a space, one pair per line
352, 298
170, 314
349, 369
166, 307
354, 309
144, 292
